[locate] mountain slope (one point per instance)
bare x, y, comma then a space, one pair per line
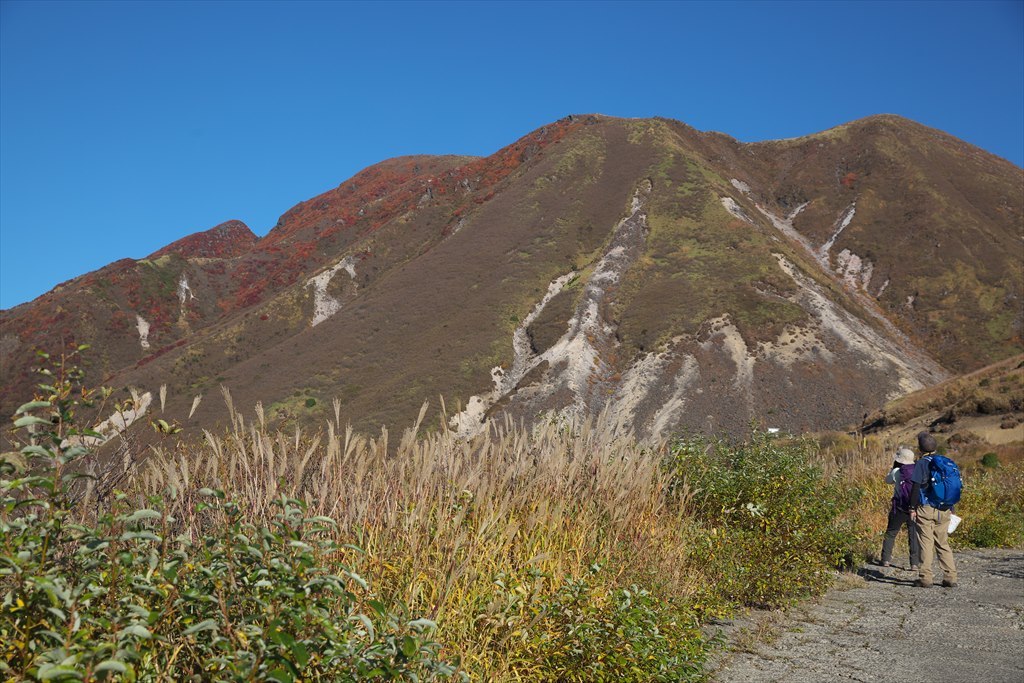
681, 280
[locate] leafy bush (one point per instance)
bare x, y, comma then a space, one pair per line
251, 569
124, 595
992, 508
990, 460
775, 528
585, 632
992, 531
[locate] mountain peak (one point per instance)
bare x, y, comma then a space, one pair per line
229, 239
680, 279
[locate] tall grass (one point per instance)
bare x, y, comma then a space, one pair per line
475, 535
568, 552
992, 505
523, 540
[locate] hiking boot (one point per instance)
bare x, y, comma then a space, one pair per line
949, 584
914, 567
921, 583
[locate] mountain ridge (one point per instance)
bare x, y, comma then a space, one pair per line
414, 277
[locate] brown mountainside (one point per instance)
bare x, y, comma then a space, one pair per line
678, 279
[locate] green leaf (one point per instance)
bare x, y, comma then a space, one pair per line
323, 520
378, 608
50, 672
30, 420
300, 654
140, 515
139, 535
205, 625
36, 450
423, 625
76, 451
138, 610
15, 459
409, 646
368, 625
276, 635
281, 676
32, 405
111, 665
137, 630
358, 579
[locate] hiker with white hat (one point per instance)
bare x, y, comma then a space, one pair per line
899, 510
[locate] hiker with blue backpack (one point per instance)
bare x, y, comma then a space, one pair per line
900, 476
937, 487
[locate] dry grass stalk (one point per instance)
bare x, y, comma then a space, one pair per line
440, 518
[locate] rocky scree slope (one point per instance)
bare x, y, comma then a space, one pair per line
676, 279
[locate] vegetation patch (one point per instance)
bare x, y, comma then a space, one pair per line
561, 554
697, 270
773, 526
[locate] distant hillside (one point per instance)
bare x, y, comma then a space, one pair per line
680, 279
985, 407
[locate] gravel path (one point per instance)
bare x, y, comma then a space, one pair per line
881, 628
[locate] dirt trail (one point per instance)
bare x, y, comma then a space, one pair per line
884, 629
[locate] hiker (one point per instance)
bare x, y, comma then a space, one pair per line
899, 511
931, 520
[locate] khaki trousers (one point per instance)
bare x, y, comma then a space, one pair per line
933, 534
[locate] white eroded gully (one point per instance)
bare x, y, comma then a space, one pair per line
578, 350
875, 349
143, 327
324, 305
841, 224
184, 291
118, 421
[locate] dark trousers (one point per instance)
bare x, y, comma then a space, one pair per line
897, 518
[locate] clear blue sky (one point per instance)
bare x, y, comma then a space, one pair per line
126, 125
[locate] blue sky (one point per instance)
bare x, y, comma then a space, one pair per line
126, 125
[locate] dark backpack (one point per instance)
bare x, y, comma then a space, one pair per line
901, 494
943, 489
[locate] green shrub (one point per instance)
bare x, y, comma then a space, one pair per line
122, 595
990, 460
585, 631
774, 528
992, 508
994, 531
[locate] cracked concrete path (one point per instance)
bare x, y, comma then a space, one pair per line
884, 629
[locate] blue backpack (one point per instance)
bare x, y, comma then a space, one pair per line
943, 491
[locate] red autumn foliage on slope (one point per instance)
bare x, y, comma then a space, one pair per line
227, 240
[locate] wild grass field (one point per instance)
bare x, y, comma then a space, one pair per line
566, 552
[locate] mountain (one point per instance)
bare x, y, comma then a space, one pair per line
982, 409
678, 279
